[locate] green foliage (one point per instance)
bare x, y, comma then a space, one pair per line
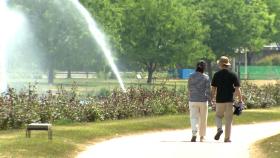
236, 24
137, 102
261, 97
108, 15
26, 106
18, 109
274, 9
69, 138
149, 34
271, 60
61, 35
103, 92
159, 33
260, 25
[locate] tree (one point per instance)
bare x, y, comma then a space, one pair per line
271, 60
260, 25
274, 9
235, 25
158, 33
61, 34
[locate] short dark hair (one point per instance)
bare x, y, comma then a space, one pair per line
201, 66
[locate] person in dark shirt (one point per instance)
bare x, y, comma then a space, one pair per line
224, 84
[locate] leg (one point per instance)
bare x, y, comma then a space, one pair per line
50, 132
220, 110
28, 133
203, 114
193, 117
228, 120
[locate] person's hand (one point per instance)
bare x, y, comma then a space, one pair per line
240, 103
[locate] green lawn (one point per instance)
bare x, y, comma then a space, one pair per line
71, 138
269, 147
93, 86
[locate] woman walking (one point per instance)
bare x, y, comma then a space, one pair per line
199, 95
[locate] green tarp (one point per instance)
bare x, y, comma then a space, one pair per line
260, 72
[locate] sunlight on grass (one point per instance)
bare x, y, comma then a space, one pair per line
269, 147
71, 138
268, 110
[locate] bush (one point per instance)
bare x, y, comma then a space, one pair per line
260, 97
271, 60
27, 106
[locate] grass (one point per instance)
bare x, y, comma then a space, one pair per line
91, 85
263, 82
94, 85
71, 138
269, 147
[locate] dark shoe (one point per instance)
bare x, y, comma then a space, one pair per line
219, 133
227, 140
193, 139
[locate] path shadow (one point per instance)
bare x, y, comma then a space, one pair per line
187, 141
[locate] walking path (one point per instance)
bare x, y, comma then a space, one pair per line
176, 144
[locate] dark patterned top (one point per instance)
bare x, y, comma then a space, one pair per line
199, 87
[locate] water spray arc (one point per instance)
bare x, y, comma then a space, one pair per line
11, 22
3, 80
100, 39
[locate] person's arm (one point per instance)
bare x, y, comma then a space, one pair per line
213, 97
208, 91
213, 93
238, 94
189, 81
237, 89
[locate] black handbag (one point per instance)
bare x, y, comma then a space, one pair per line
238, 108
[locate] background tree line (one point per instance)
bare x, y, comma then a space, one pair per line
150, 34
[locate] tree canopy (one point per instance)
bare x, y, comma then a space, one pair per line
158, 33
61, 35
150, 34
236, 24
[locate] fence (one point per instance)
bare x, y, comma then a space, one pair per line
260, 72
75, 74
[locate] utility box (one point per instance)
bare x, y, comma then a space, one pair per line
185, 73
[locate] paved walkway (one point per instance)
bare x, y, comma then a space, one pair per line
176, 144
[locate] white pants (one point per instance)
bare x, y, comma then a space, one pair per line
198, 116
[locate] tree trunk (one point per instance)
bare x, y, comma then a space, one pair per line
239, 63
250, 58
209, 68
51, 75
150, 76
151, 67
68, 73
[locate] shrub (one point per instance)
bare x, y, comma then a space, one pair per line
27, 106
273, 59
260, 97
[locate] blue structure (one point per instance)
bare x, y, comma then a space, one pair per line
185, 73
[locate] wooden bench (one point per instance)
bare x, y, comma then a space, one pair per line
39, 126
